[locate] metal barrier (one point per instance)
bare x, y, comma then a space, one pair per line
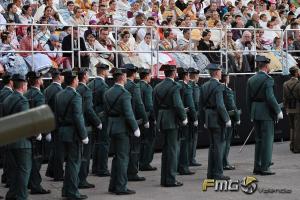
155, 50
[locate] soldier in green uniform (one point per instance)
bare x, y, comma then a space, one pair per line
291, 100
147, 134
264, 110
142, 118
193, 130
92, 121
18, 153
55, 166
4, 93
213, 113
186, 93
234, 114
121, 123
170, 113
36, 98
71, 132
102, 141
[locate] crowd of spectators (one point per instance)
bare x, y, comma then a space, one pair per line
67, 34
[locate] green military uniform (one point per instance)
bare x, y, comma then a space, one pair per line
55, 166
140, 114
193, 130
71, 131
19, 153
91, 121
147, 134
169, 110
102, 140
264, 110
4, 93
186, 93
291, 100
213, 112
121, 123
234, 114
35, 98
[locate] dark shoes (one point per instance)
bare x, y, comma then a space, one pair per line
219, 177
229, 167
126, 192
86, 186
176, 184
105, 174
136, 178
195, 164
186, 173
82, 196
148, 168
263, 173
42, 191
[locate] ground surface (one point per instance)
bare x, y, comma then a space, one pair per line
286, 165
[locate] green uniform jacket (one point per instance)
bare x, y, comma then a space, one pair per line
196, 94
16, 103
291, 95
50, 94
68, 106
229, 100
167, 105
186, 93
137, 103
117, 105
4, 93
212, 108
264, 105
147, 98
35, 97
91, 118
98, 87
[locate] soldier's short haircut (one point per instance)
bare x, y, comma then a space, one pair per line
169, 73
69, 80
18, 84
260, 65
143, 75
80, 76
192, 76
130, 73
182, 75
32, 81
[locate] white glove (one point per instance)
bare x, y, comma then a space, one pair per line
48, 137
280, 115
137, 133
185, 122
86, 140
99, 126
228, 124
196, 123
147, 125
39, 137
238, 122
204, 126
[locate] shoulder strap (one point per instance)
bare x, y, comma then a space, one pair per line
260, 87
161, 100
209, 95
31, 100
291, 90
14, 105
68, 105
110, 107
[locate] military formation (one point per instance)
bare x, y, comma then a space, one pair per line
93, 119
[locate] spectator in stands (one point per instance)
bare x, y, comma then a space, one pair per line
94, 30
6, 43
227, 18
210, 9
11, 14
234, 58
245, 14
85, 5
53, 45
107, 45
43, 33
48, 14
248, 48
78, 18
237, 33
112, 7
206, 44
26, 16
137, 21
27, 41
11, 29
67, 46
67, 14
188, 11
155, 13
66, 30
91, 13
142, 31
181, 5
41, 10
263, 20
102, 16
215, 17
254, 21
172, 10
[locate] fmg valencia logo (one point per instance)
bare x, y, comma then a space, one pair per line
248, 185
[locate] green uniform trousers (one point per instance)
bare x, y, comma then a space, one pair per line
19, 167
73, 152
37, 160
101, 150
215, 153
147, 145
183, 161
120, 147
264, 137
228, 137
134, 156
193, 141
169, 158
85, 161
294, 121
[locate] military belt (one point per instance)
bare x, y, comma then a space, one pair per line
258, 100
65, 124
231, 113
101, 114
211, 107
89, 129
